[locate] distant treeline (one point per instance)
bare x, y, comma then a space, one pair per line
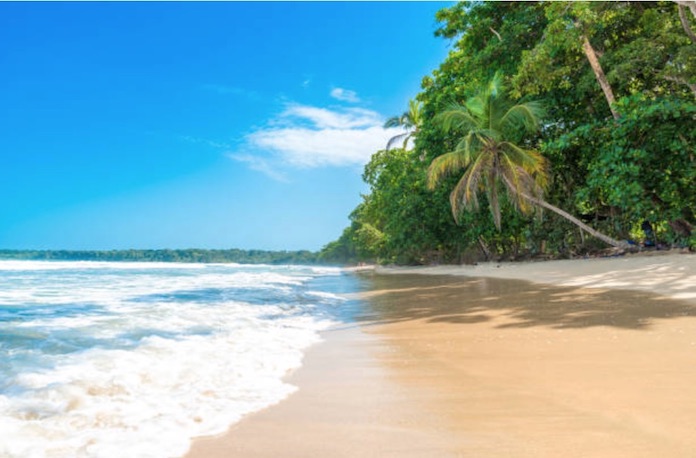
186, 255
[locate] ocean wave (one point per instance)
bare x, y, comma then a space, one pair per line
108, 363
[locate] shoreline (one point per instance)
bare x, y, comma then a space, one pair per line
343, 386
593, 359
668, 274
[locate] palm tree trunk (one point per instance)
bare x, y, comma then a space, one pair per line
577, 222
599, 74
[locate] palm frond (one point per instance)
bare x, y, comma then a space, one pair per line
467, 188
492, 193
463, 194
532, 160
410, 120
471, 145
514, 179
478, 107
398, 138
444, 166
529, 187
394, 121
415, 112
487, 135
524, 115
496, 85
456, 117
519, 184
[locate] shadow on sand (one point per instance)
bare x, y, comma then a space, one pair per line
460, 300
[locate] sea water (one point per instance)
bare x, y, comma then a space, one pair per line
135, 359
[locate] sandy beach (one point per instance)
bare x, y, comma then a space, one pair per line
575, 358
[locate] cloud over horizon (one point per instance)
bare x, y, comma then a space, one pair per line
305, 136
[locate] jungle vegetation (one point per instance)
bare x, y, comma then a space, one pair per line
591, 111
167, 255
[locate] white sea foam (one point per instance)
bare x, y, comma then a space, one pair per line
134, 363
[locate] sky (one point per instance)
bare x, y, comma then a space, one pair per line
199, 125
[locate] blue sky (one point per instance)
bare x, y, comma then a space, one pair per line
210, 125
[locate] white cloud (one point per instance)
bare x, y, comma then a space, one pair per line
308, 137
323, 118
344, 95
302, 147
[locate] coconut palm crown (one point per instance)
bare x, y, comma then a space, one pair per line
410, 120
486, 153
489, 158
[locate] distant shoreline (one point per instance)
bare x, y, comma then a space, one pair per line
191, 255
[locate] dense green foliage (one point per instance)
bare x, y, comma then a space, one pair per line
617, 81
189, 255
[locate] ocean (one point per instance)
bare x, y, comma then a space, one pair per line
101, 359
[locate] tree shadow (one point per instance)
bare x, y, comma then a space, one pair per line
521, 304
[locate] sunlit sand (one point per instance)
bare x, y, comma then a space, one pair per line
592, 362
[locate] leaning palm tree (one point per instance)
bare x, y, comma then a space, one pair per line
491, 161
409, 120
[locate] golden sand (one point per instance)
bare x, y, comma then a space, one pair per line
461, 366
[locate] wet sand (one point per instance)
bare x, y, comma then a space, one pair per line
347, 406
462, 366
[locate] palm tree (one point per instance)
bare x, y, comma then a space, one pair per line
491, 161
409, 120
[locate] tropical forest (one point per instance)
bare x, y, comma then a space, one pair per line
551, 130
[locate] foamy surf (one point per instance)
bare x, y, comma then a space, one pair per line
137, 360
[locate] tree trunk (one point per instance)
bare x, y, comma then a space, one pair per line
599, 74
484, 248
682, 81
691, 4
577, 222
685, 23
